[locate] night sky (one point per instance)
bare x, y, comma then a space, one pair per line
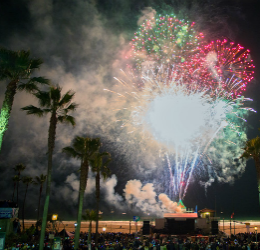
83, 44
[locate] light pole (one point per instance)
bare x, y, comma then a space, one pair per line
223, 221
256, 236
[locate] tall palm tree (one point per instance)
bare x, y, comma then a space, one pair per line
90, 215
58, 106
99, 164
15, 181
252, 151
40, 181
19, 168
82, 148
16, 67
26, 180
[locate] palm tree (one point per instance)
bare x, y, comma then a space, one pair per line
82, 148
19, 168
16, 67
58, 106
90, 215
40, 181
252, 151
15, 180
26, 180
99, 166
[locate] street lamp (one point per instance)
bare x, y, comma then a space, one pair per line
104, 229
256, 235
54, 217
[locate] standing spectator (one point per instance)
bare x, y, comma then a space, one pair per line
15, 225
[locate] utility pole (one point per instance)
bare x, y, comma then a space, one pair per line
230, 228
215, 206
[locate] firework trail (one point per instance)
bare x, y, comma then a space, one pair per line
185, 97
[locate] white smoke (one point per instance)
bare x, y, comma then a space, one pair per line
148, 13
211, 60
144, 197
111, 196
169, 205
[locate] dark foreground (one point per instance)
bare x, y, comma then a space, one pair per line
121, 241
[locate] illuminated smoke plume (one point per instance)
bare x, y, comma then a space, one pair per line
144, 198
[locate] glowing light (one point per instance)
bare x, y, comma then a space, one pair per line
190, 127
177, 117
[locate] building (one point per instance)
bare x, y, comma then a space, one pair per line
188, 222
207, 213
207, 221
8, 212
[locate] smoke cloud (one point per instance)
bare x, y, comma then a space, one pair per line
168, 204
144, 197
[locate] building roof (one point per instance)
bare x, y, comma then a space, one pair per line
180, 215
206, 210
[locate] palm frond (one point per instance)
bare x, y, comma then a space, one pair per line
55, 94
41, 179
252, 148
99, 161
10, 67
71, 107
40, 80
16, 178
66, 98
32, 110
67, 119
79, 144
107, 162
28, 87
94, 145
27, 180
36, 63
71, 152
90, 215
19, 167
43, 98
47, 110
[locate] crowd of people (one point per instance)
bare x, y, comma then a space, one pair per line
121, 241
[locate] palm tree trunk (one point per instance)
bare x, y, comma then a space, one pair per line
24, 203
7, 108
89, 232
39, 203
82, 188
17, 192
51, 144
97, 201
14, 191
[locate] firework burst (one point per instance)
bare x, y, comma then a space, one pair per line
190, 129
226, 68
185, 101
